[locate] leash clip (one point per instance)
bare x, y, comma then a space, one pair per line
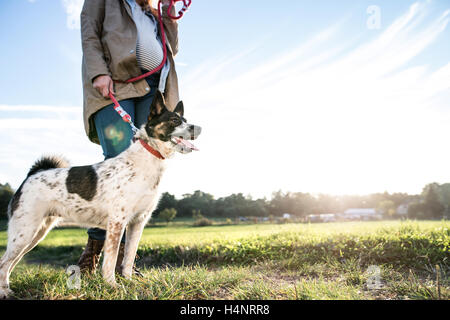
133, 128
123, 114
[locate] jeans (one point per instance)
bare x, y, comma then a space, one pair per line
115, 134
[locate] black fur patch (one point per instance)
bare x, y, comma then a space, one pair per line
162, 122
15, 199
82, 181
46, 163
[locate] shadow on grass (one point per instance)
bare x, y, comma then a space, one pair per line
404, 253
59, 256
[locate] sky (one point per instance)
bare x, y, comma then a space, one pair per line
339, 97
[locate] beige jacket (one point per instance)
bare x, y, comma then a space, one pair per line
109, 36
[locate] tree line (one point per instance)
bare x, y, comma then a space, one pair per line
432, 203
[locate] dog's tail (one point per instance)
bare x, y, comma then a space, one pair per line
44, 163
47, 163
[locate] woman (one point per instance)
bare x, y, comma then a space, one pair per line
121, 40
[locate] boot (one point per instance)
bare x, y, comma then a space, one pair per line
91, 256
120, 256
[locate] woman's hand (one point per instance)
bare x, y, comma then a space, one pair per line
104, 84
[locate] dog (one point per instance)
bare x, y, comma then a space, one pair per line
115, 194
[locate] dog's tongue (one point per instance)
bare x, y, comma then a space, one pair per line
185, 143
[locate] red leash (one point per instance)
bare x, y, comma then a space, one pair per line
125, 116
186, 5
122, 113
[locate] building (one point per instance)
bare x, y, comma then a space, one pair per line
286, 215
361, 214
313, 218
402, 210
324, 217
328, 217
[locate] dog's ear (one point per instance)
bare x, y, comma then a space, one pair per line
179, 109
158, 105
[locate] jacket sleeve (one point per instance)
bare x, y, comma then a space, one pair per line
171, 29
91, 19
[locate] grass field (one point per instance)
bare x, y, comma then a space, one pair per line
260, 261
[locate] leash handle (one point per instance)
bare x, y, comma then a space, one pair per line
186, 5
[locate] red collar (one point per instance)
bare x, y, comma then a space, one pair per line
154, 152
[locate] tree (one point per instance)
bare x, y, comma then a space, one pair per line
444, 197
387, 208
433, 207
168, 214
282, 203
196, 214
167, 201
416, 210
6, 193
197, 201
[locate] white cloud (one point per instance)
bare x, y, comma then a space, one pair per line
50, 130
39, 108
343, 121
73, 10
181, 64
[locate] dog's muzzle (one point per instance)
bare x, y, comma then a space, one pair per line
182, 143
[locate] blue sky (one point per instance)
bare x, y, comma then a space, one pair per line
300, 96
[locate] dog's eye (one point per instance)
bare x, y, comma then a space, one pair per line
175, 121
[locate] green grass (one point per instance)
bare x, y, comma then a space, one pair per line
261, 261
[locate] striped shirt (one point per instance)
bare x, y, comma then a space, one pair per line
149, 51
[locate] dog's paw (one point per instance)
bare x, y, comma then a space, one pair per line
127, 276
127, 273
5, 293
111, 281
